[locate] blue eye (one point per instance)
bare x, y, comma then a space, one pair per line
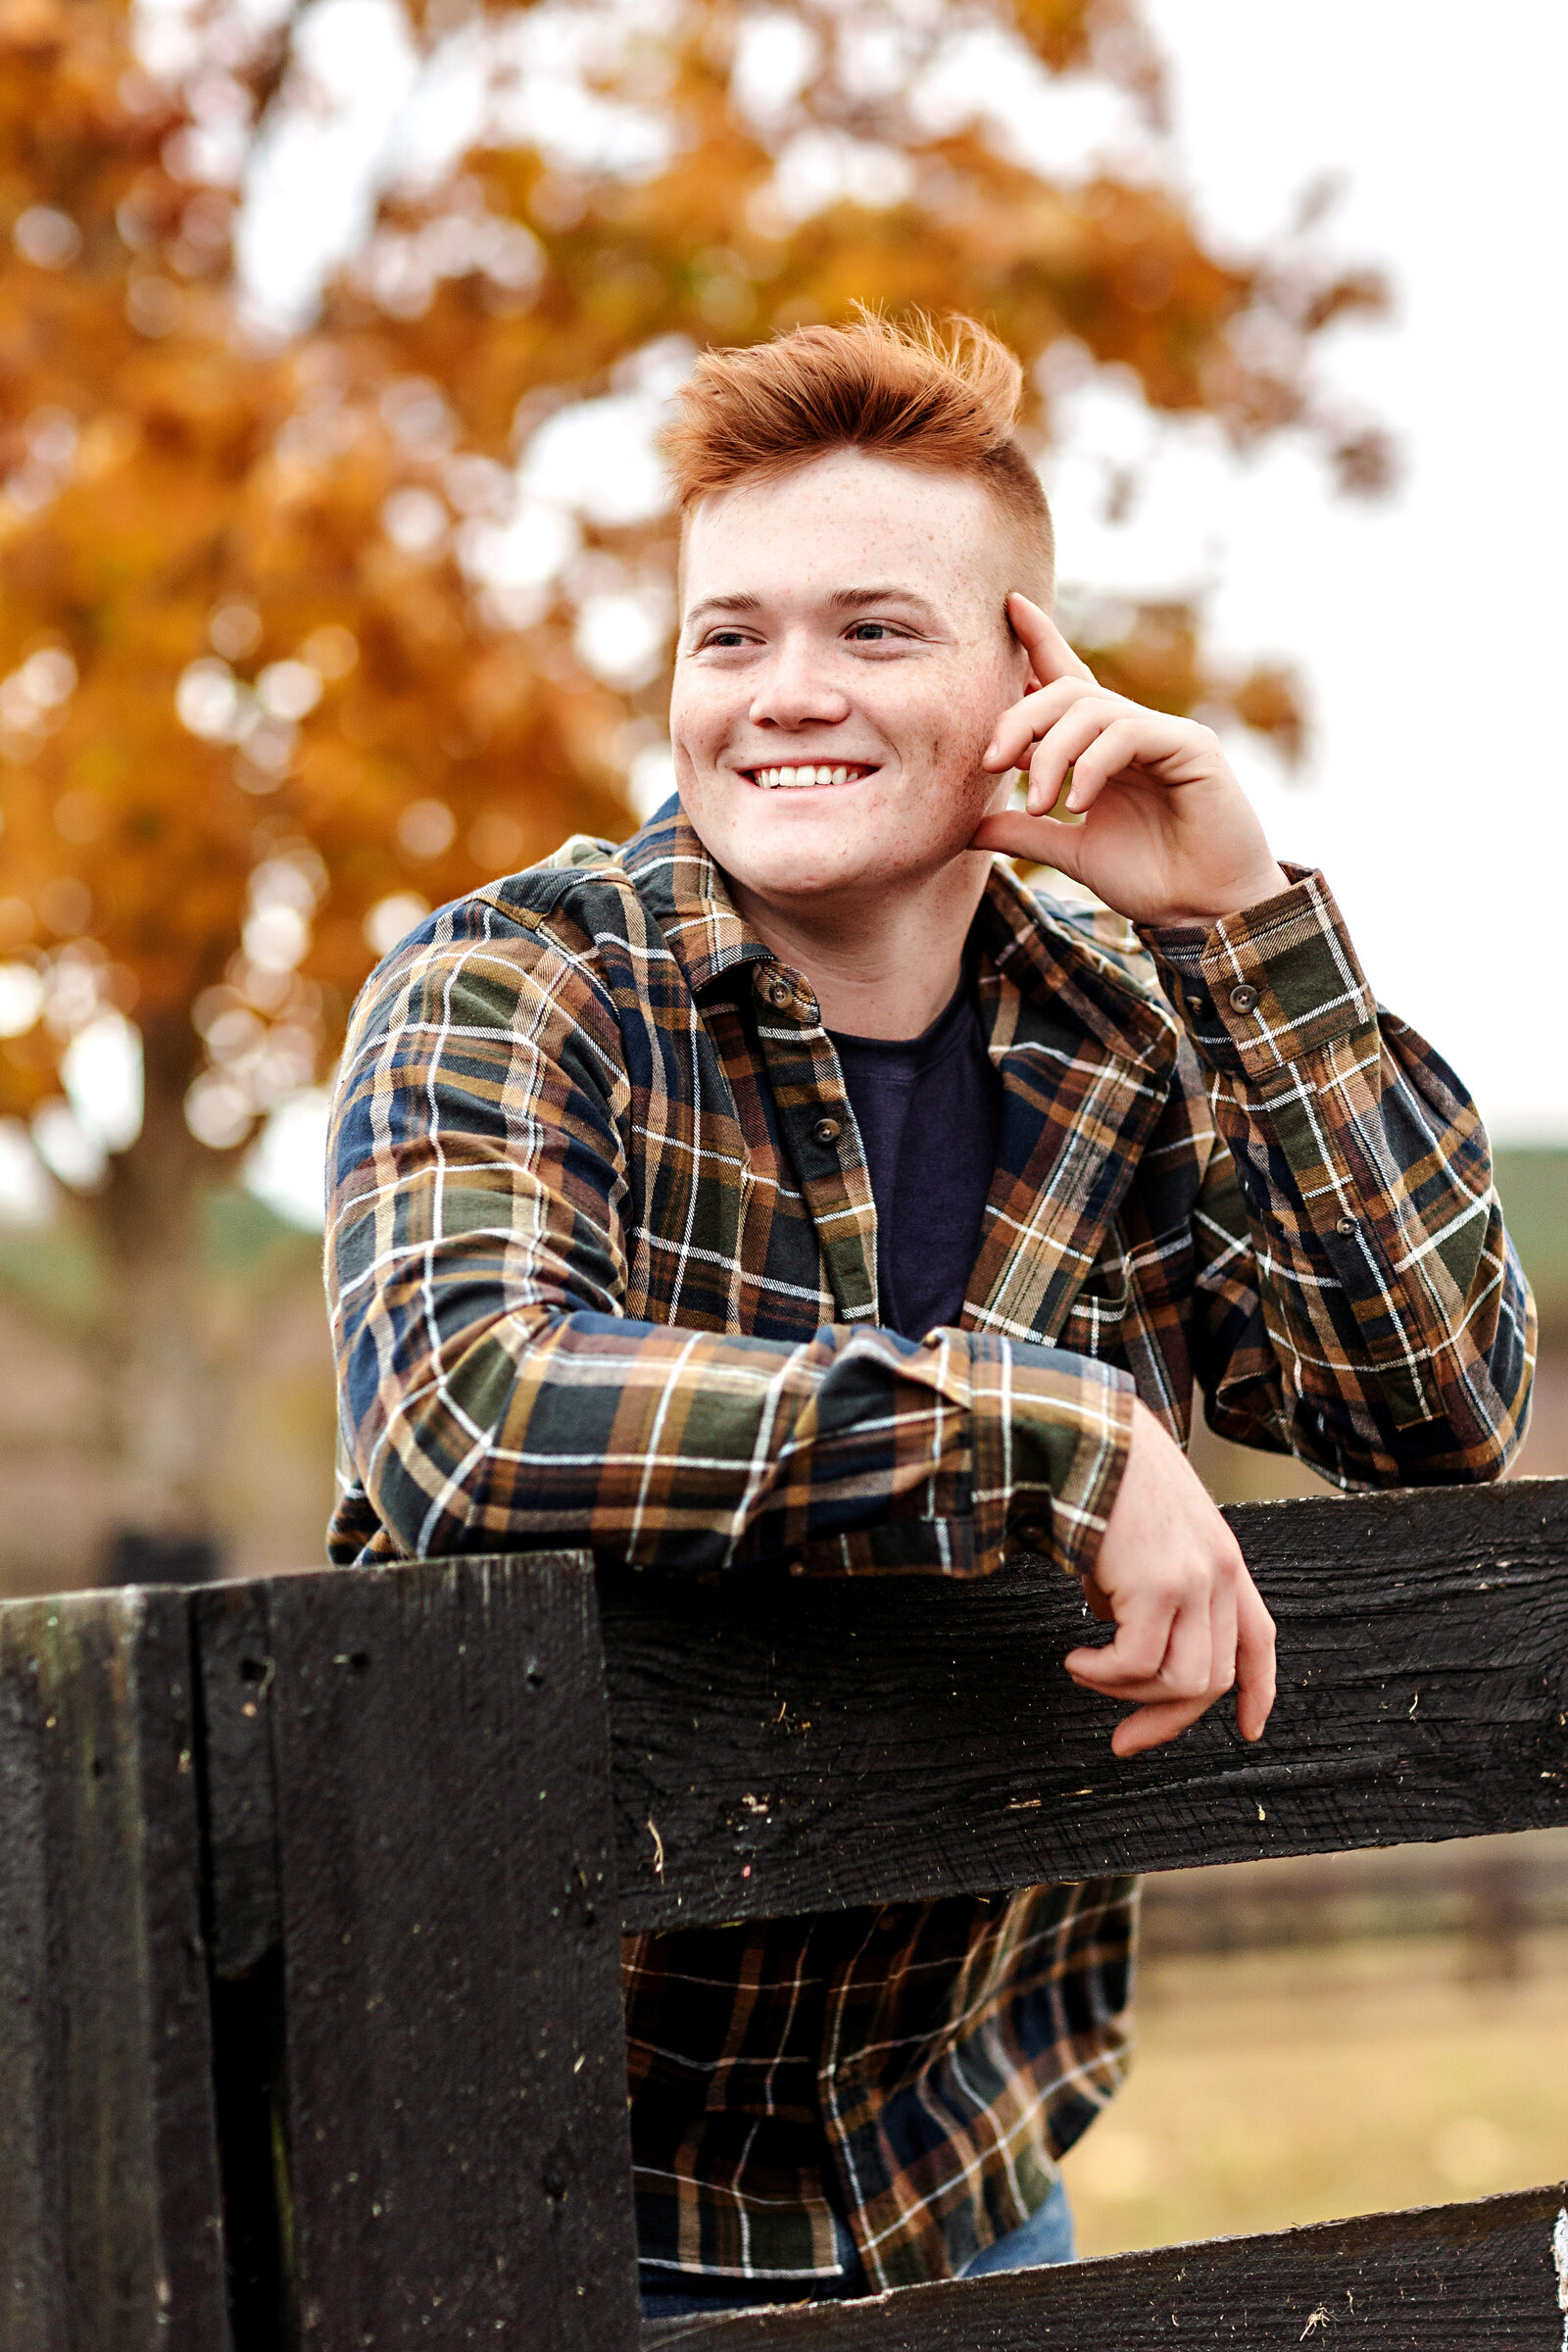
866, 632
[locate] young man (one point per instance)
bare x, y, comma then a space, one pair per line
794, 1192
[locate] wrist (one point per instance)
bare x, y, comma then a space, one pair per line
1267, 988
1253, 889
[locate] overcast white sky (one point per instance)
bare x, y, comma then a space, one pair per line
1430, 626
1425, 625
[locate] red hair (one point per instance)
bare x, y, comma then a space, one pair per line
945, 399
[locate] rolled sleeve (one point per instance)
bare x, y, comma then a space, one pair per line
1050, 1438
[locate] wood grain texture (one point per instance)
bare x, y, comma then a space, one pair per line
798, 1748
244, 1942
239, 1802
109, 2225
456, 2081
1451, 2279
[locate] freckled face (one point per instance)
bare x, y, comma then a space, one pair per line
844, 657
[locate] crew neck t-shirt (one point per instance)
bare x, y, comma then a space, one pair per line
928, 1109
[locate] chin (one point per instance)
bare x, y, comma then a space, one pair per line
825, 843
787, 862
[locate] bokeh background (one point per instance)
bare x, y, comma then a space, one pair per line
335, 576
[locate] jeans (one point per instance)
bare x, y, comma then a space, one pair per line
1045, 2237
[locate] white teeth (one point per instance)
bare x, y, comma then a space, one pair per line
788, 779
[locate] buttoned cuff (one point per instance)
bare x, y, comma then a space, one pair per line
1269, 986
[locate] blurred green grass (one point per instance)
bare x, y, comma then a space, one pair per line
1275, 2088
1534, 1189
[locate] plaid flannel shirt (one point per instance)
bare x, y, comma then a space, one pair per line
601, 1275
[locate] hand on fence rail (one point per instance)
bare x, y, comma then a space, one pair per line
1188, 1619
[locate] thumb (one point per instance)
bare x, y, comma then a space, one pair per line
1042, 840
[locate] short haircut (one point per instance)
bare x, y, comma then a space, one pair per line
941, 398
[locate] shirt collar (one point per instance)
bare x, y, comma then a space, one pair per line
1051, 960
1039, 953
686, 892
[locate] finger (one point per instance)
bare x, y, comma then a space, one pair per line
1063, 744
1024, 722
1048, 648
1098, 1601
1152, 1724
1138, 1653
1184, 1676
1042, 840
1222, 1635
1187, 1669
1116, 747
1255, 1660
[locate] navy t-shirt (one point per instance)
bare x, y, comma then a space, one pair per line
928, 1109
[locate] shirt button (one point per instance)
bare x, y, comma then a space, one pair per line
777, 991
1195, 1001
1346, 1226
1244, 998
827, 1131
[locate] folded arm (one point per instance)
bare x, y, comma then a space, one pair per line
496, 1394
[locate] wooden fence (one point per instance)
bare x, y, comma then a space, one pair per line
309, 2025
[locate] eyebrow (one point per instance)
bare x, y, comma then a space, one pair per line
724, 603
887, 593
841, 600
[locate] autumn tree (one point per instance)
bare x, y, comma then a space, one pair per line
295, 639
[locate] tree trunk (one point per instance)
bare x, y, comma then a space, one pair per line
164, 1381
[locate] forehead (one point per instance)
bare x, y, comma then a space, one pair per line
843, 519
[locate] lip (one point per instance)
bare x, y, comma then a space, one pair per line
827, 775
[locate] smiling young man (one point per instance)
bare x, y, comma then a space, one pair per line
793, 1191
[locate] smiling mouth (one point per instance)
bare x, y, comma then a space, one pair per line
804, 777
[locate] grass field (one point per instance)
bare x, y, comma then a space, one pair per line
1276, 2087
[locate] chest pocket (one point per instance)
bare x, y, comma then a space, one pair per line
1095, 1317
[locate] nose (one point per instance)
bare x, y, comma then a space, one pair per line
796, 688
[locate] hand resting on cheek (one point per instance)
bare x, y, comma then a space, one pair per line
1167, 833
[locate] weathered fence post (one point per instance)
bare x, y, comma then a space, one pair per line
110, 2226
453, 2092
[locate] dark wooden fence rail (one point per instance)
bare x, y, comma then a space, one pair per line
313, 1890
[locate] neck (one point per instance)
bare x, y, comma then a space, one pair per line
881, 963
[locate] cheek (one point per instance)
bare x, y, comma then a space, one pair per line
956, 712
944, 790
946, 742
690, 711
